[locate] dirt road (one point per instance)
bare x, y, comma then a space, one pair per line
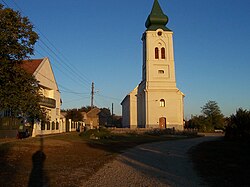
155, 164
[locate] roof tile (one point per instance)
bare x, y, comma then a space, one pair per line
31, 65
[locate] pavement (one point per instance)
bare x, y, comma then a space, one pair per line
155, 164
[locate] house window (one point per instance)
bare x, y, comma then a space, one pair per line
43, 125
53, 125
57, 125
48, 125
156, 53
162, 103
163, 53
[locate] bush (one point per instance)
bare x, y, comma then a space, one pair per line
239, 125
172, 131
101, 133
201, 123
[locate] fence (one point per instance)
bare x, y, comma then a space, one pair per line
64, 125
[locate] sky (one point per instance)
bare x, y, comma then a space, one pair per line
100, 41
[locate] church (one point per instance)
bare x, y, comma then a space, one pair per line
156, 102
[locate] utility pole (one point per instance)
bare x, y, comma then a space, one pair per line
112, 109
112, 113
92, 95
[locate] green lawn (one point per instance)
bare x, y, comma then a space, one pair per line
64, 159
223, 163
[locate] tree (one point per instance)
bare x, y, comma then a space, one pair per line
19, 91
105, 117
211, 111
197, 122
85, 109
211, 118
17, 38
74, 114
117, 121
239, 125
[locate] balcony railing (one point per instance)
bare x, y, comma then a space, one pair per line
48, 102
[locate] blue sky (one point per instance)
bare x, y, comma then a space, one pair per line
100, 41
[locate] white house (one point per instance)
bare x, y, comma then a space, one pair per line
51, 101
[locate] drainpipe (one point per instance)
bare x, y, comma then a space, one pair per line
146, 101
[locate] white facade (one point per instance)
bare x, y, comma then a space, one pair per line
129, 109
51, 101
49, 89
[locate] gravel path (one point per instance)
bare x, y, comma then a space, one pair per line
155, 164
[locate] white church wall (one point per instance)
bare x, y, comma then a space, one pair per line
133, 111
126, 112
172, 110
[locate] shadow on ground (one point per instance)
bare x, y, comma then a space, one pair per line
6, 167
164, 163
38, 176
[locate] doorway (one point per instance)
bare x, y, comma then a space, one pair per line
162, 122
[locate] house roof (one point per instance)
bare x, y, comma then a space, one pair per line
157, 19
93, 112
31, 65
84, 115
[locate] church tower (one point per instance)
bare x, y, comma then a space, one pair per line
159, 103
158, 56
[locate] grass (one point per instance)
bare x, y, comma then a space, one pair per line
223, 163
63, 159
116, 143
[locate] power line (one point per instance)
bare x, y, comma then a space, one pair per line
63, 60
5, 3
66, 73
52, 80
77, 93
66, 89
96, 102
80, 99
108, 97
63, 63
66, 66
61, 54
69, 74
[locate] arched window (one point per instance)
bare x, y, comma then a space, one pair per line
156, 53
162, 103
163, 56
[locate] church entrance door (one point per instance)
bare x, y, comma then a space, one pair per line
162, 123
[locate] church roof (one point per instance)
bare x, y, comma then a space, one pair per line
157, 19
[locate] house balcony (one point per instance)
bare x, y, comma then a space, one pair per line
48, 102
